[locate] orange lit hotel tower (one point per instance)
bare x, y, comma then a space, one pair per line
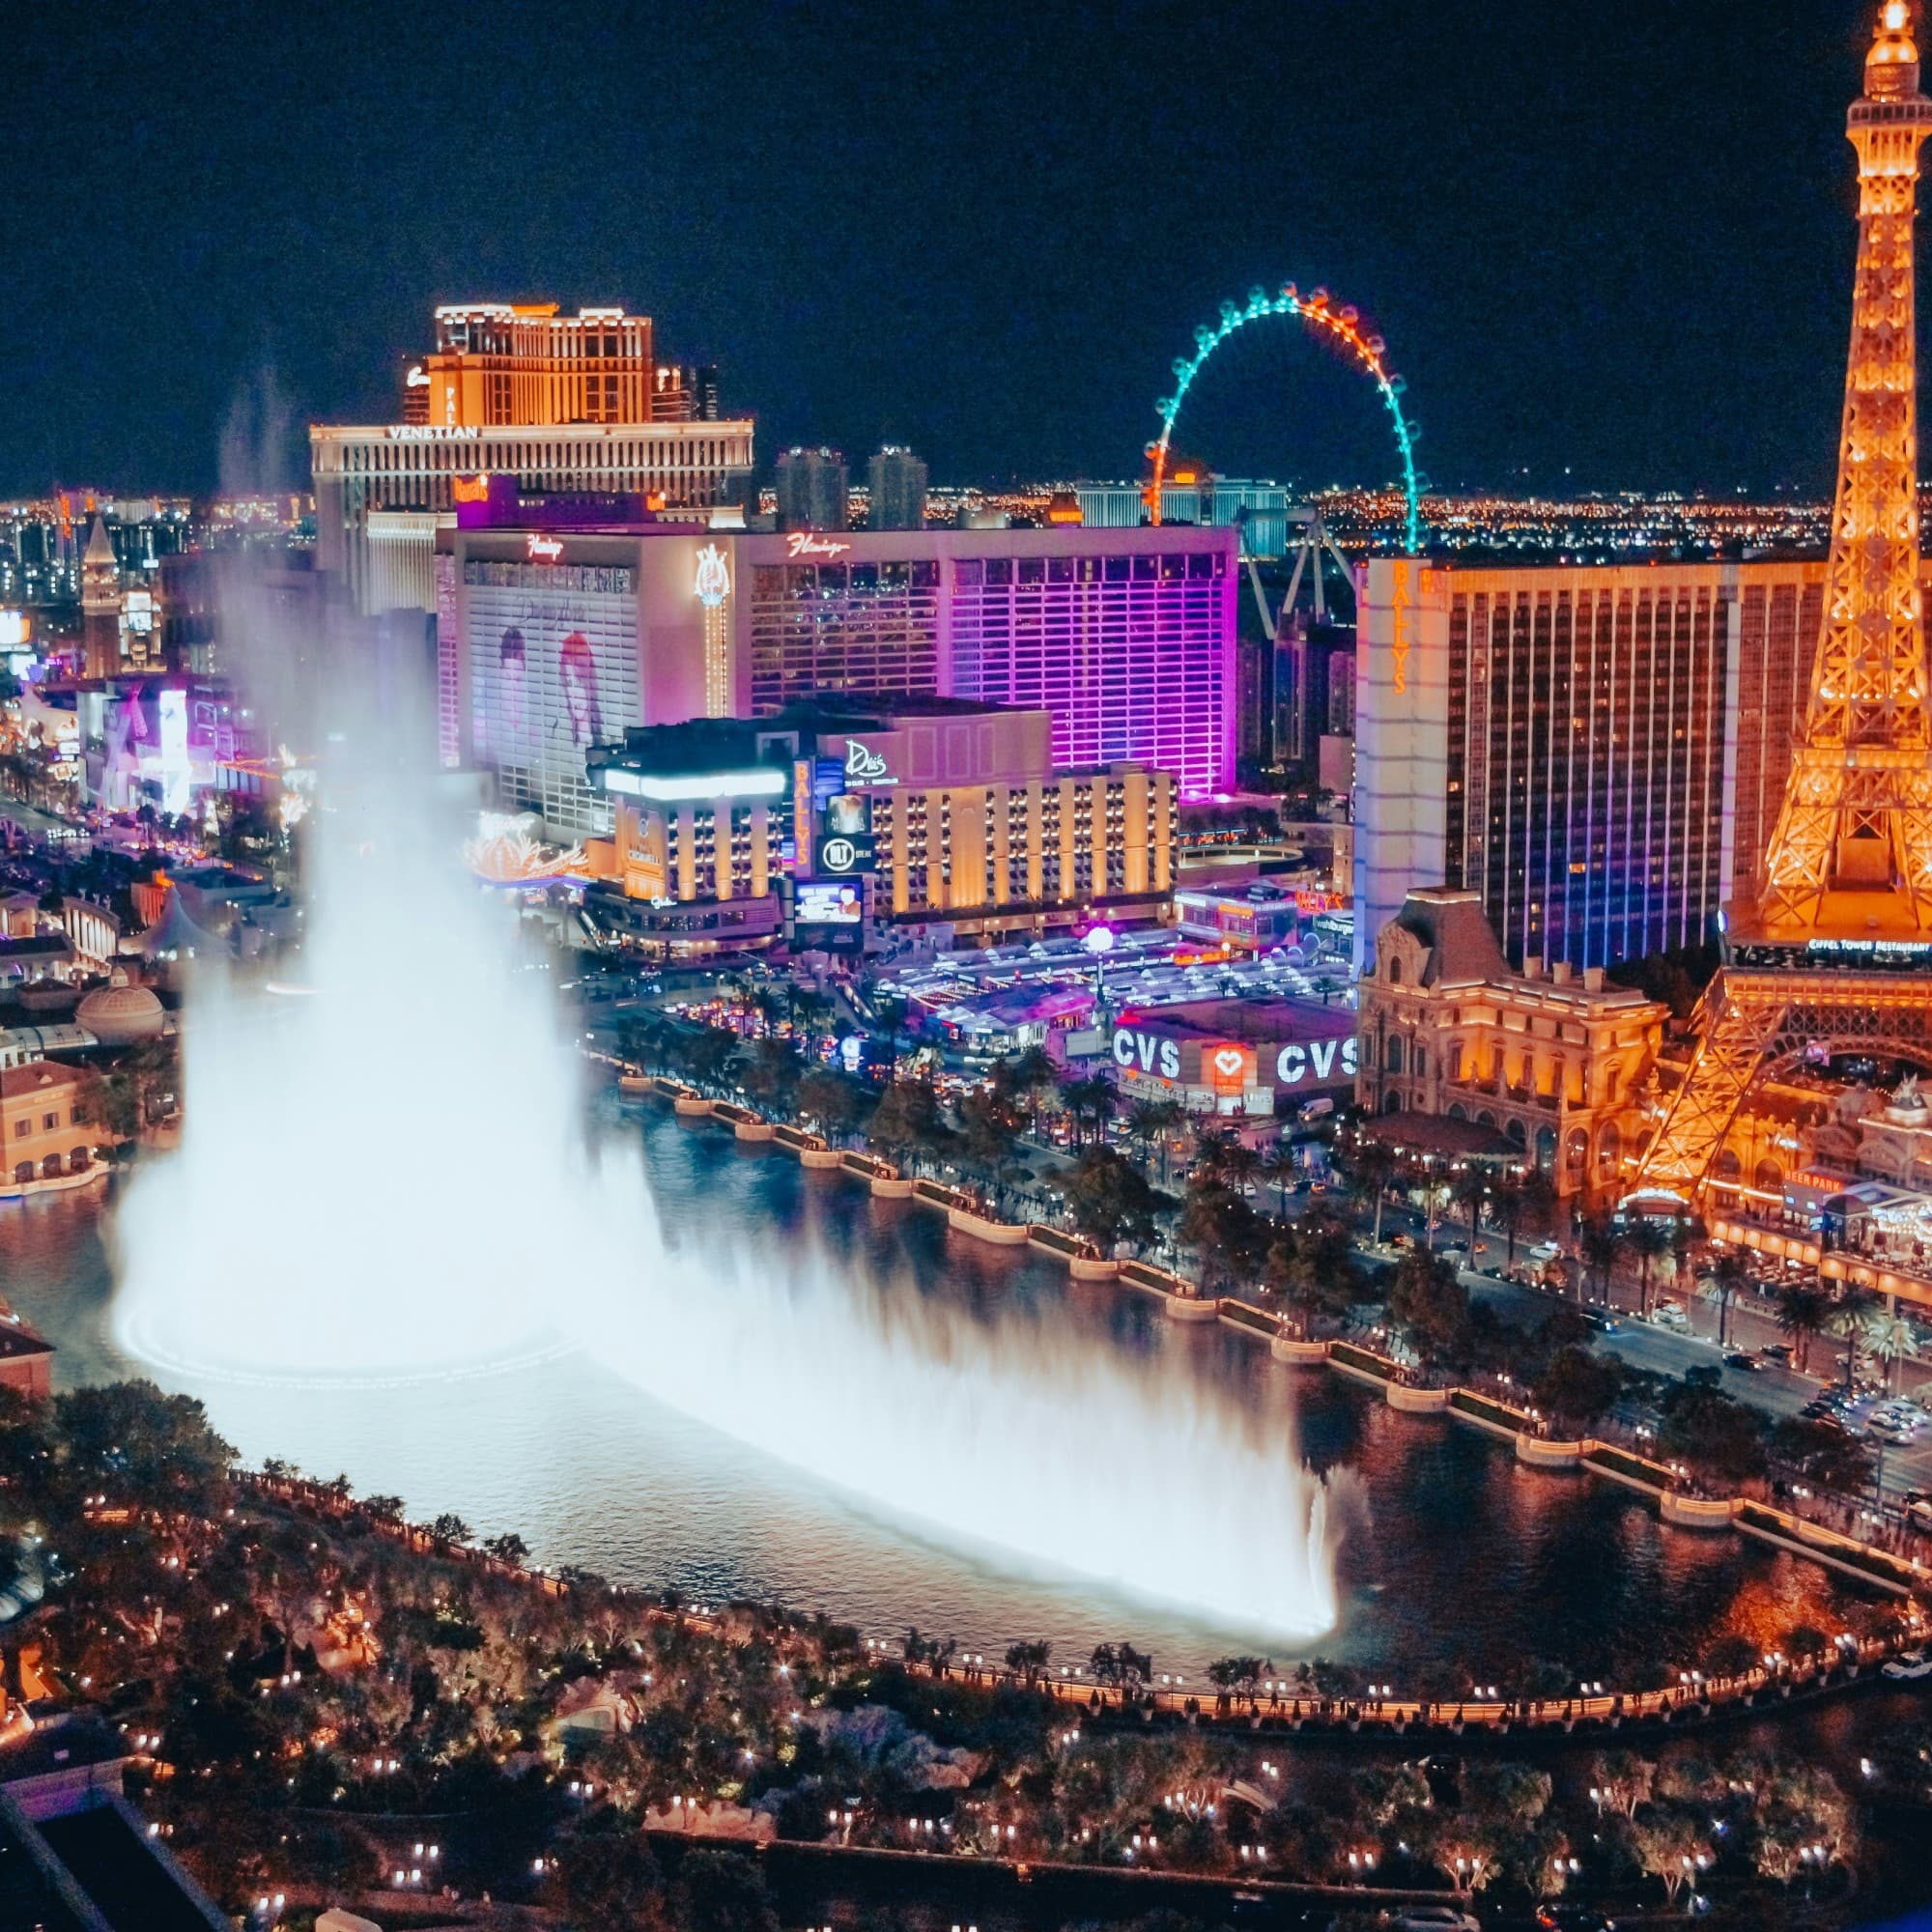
1838, 951
566, 405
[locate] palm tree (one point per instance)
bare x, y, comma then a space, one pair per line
810, 1009
1728, 1274
1031, 1078
1168, 1115
1089, 1100
1846, 1318
1279, 1168
1891, 1338
1803, 1309
1470, 1192
1240, 1164
1649, 1241
1520, 1199
1602, 1242
1370, 1166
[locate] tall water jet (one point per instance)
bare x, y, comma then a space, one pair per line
387, 1173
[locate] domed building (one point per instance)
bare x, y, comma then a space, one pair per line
122, 1015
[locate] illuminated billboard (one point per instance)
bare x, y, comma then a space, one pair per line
829, 903
552, 656
176, 771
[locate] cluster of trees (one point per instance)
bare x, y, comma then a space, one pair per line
197, 1611
1754, 1815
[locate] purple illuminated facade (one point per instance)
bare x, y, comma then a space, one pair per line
1126, 636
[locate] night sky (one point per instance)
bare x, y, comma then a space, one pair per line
1612, 236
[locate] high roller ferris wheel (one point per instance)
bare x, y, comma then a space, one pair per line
1341, 324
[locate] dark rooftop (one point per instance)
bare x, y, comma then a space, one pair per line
119, 1870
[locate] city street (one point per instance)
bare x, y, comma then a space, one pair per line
1660, 1349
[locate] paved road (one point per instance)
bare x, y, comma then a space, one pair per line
1661, 1350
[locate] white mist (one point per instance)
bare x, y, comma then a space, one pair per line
387, 1176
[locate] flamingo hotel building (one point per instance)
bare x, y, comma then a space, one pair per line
561, 627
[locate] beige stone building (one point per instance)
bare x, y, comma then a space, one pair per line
1548, 1061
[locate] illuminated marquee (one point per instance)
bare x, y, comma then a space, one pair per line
545, 550
802, 543
469, 489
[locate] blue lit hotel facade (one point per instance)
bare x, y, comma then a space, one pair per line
1597, 752
554, 637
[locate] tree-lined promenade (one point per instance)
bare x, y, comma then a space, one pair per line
312, 1688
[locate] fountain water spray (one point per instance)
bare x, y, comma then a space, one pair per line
391, 1178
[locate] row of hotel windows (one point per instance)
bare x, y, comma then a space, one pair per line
25, 1129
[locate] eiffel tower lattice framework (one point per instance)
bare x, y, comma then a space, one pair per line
1849, 869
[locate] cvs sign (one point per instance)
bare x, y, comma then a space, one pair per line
1294, 1062
1148, 1052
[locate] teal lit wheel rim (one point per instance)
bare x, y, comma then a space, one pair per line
1341, 324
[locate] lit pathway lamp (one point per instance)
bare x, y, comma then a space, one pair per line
1098, 941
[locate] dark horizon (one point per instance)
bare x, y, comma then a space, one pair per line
1609, 253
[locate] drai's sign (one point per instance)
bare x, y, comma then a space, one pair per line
865, 766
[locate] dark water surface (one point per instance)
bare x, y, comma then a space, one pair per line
1452, 1556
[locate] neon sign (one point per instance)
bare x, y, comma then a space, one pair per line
545, 550
1292, 1064
802, 543
712, 583
469, 489
864, 765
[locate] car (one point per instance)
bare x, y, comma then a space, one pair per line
1432, 1918
1553, 1916
1776, 1351
1913, 1664
1918, 1512
1670, 1315
1602, 1320
1737, 1358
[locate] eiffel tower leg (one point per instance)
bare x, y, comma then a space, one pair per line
1733, 1037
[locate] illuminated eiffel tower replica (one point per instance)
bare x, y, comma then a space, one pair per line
1837, 955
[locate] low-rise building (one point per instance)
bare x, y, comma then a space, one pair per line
1246, 1057
931, 817
44, 1126
1551, 1061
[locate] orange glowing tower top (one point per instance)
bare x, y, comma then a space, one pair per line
1850, 856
